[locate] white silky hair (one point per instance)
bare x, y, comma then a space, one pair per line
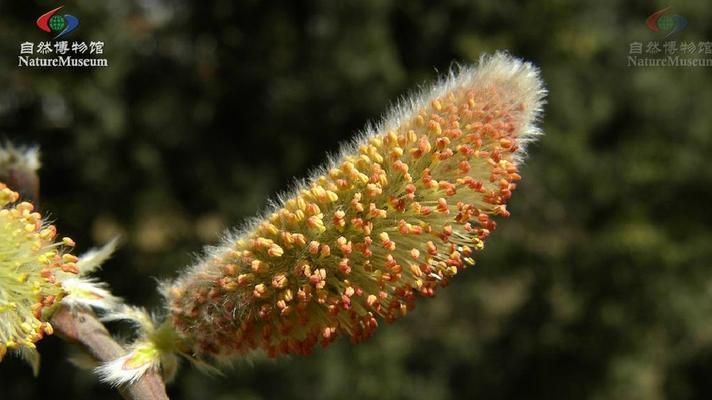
83, 291
95, 257
23, 157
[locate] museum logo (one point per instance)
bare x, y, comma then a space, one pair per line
668, 53
660, 21
58, 52
59, 25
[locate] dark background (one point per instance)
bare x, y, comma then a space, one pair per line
598, 287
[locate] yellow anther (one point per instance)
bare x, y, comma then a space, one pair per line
69, 258
22, 277
331, 196
275, 251
435, 127
412, 136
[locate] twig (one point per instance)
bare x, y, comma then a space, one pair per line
81, 326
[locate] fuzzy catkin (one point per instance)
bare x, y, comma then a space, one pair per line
401, 211
32, 269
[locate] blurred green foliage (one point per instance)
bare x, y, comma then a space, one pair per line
598, 287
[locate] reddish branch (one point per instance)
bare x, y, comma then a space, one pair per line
82, 327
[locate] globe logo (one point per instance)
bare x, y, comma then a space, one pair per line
659, 21
59, 25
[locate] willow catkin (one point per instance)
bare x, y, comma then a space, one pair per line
32, 269
401, 211
404, 208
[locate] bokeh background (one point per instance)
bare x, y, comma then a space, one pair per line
598, 287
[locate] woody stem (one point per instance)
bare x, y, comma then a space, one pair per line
82, 327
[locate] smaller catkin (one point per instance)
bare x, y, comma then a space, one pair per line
401, 211
32, 269
37, 274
